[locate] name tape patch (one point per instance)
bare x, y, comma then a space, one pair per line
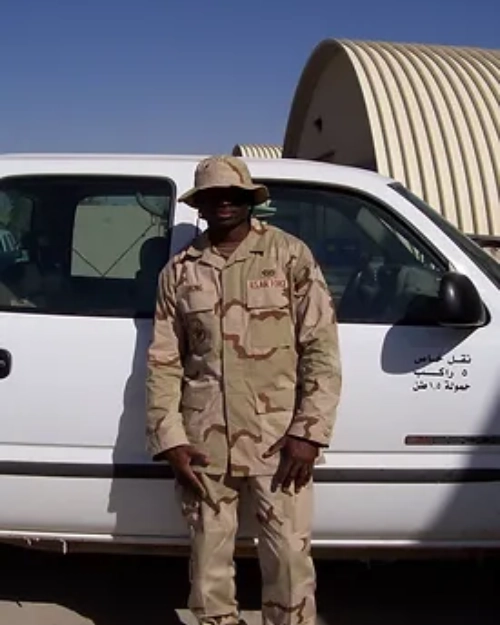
268, 283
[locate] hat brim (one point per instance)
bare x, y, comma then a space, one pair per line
260, 193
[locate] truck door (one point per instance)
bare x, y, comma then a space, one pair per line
418, 426
75, 323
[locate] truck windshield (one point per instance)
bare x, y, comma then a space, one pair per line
482, 259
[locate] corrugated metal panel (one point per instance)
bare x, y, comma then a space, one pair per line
434, 114
252, 150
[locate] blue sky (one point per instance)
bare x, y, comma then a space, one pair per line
186, 76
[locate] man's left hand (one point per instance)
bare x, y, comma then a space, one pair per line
297, 462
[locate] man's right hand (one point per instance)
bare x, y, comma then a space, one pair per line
181, 459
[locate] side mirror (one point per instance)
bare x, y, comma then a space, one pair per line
460, 304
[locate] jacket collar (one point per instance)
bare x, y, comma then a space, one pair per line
254, 243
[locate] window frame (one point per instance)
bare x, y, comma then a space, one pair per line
464, 242
385, 210
92, 176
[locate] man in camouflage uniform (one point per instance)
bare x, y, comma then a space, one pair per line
243, 384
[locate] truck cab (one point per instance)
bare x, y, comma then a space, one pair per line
414, 461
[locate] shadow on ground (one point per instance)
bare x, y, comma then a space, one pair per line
403, 593
126, 590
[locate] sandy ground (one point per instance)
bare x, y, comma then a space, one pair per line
45, 589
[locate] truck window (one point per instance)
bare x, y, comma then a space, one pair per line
489, 265
378, 270
93, 245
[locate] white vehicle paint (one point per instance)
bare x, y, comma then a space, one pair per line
415, 457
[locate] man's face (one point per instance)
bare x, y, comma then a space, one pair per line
223, 208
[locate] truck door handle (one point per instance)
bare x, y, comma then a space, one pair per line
5, 363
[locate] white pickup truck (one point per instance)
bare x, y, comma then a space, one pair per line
415, 457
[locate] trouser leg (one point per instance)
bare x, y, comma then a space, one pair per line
212, 523
288, 575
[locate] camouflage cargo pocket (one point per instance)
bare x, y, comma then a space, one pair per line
198, 310
270, 324
275, 409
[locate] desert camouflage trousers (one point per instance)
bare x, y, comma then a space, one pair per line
284, 521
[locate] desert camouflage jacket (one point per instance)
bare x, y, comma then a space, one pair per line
244, 350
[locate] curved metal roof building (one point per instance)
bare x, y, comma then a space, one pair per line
252, 150
426, 115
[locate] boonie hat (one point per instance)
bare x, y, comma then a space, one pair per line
224, 172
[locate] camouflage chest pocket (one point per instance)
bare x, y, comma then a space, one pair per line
198, 308
270, 324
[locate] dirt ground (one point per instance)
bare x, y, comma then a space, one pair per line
45, 589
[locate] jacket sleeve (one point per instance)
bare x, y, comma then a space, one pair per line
164, 428
319, 368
